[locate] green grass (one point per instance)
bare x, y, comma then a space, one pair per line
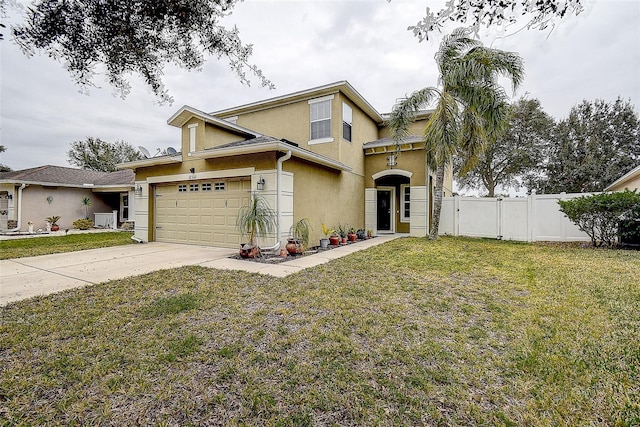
413, 332
19, 248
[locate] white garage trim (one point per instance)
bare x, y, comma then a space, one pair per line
226, 173
201, 211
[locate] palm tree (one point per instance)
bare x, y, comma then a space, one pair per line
471, 107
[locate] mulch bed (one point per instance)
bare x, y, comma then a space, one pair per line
277, 259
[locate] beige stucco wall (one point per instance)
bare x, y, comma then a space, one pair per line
326, 196
207, 135
66, 202
292, 122
632, 184
411, 161
415, 128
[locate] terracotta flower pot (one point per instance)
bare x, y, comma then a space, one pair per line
247, 251
334, 240
294, 246
352, 237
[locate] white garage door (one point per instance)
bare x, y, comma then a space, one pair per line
201, 212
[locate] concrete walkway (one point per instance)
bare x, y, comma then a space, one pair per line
22, 278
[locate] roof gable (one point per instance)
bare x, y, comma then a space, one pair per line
184, 114
341, 86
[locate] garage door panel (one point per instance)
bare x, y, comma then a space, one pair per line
219, 221
234, 203
205, 217
207, 203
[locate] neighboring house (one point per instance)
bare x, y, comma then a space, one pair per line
31, 195
324, 154
630, 181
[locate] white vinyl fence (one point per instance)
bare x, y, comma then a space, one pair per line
531, 219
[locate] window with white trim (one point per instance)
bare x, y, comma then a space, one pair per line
194, 187
405, 203
220, 186
182, 188
347, 121
320, 119
206, 186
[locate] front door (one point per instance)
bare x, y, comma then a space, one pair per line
385, 209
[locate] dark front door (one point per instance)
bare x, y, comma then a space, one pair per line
384, 210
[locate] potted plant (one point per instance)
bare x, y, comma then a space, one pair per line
53, 220
342, 231
327, 232
334, 238
351, 234
360, 234
255, 220
86, 202
299, 239
369, 233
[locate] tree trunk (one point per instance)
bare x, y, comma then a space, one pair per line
437, 202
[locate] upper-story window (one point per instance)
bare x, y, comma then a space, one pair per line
347, 121
320, 119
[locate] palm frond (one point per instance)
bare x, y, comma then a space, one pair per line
405, 111
442, 131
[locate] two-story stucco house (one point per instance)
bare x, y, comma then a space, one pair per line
322, 154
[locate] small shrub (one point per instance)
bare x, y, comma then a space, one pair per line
599, 215
83, 224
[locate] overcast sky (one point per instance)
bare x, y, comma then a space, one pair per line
303, 44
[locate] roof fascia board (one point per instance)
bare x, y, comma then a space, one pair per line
332, 88
154, 161
111, 188
208, 118
629, 175
272, 146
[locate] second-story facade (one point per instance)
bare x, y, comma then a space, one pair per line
324, 154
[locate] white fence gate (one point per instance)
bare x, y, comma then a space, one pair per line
531, 219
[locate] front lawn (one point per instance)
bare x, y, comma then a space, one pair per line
412, 332
19, 248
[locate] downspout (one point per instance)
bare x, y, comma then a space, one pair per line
281, 160
19, 210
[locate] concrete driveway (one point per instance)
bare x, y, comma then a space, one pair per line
23, 278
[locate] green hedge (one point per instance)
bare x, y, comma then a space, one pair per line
600, 215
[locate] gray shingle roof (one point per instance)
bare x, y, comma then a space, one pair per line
69, 176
